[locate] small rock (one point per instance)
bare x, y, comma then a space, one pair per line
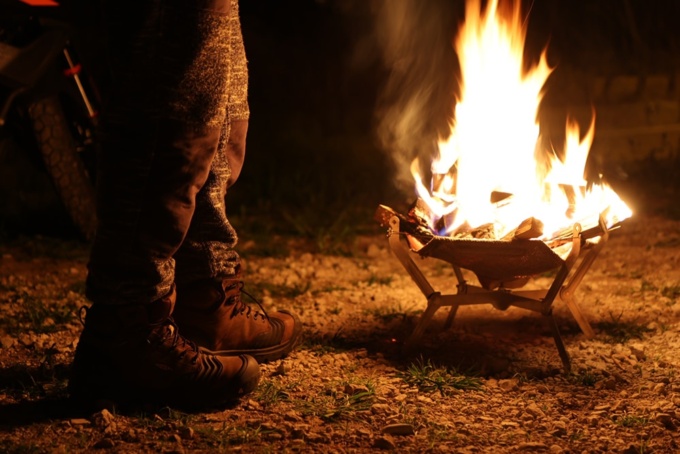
666, 420
26, 340
364, 432
638, 350
400, 397
7, 341
292, 416
398, 429
534, 411
282, 369
509, 424
253, 422
351, 389
252, 405
80, 422
384, 442
607, 383
269, 427
556, 449
103, 419
380, 409
314, 437
273, 436
558, 432
659, 388
509, 384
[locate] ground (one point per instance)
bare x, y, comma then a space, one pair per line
493, 382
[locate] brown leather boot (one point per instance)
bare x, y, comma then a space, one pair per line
212, 314
135, 355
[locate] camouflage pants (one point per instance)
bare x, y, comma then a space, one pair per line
173, 140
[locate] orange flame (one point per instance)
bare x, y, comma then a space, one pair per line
494, 143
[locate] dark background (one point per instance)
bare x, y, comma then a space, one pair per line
319, 85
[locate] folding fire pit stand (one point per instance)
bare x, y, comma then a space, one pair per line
534, 300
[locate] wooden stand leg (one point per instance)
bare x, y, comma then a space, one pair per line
564, 355
451, 316
433, 304
579, 317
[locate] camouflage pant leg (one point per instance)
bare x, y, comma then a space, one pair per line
208, 250
162, 127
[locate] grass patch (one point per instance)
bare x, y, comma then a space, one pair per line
584, 378
34, 314
178, 417
336, 403
374, 279
271, 392
430, 378
331, 235
648, 287
225, 436
632, 421
620, 332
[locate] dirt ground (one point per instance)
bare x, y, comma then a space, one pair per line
491, 383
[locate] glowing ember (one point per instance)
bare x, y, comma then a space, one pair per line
494, 146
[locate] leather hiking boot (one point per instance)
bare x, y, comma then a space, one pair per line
212, 314
135, 355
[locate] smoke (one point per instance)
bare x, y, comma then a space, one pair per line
415, 106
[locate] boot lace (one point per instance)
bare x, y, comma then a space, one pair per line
241, 308
171, 339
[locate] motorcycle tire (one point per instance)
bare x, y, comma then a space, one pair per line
67, 170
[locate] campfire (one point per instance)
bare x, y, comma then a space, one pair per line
497, 201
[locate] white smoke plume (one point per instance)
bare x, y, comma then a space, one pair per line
415, 39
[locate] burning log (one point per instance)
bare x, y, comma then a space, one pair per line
406, 224
482, 232
421, 213
527, 229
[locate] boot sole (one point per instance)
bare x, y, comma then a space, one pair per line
267, 354
95, 391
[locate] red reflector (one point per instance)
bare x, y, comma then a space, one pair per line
40, 2
73, 71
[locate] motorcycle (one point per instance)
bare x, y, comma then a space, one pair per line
48, 103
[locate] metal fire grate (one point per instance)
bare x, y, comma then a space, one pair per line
502, 267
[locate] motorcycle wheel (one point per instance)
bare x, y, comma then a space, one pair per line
67, 170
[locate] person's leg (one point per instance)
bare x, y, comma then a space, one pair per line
209, 307
162, 128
